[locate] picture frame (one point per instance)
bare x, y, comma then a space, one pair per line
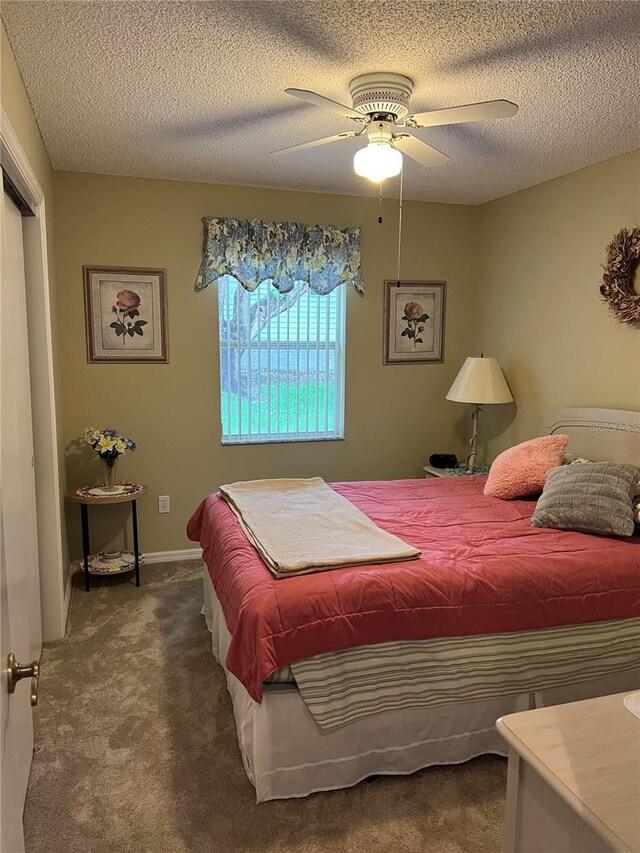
414, 322
126, 315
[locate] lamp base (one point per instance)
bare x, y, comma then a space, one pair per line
473, 441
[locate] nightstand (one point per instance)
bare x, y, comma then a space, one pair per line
430, 471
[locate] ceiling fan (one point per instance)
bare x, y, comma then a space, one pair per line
380, 103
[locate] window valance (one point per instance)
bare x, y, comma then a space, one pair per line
253, 251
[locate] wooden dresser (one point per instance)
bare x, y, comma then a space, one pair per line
574, 778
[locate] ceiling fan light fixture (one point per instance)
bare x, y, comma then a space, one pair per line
377, 162
380, 105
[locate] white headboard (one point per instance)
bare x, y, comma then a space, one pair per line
604, 435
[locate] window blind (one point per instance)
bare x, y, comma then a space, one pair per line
281, 363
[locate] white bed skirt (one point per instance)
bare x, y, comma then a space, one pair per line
286, 754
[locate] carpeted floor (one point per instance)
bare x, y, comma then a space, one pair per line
136, 750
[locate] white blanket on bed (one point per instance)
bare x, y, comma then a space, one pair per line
302, 526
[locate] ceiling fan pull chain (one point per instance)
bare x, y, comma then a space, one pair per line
400, 227
380, 206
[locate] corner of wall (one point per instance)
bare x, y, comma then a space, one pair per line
540, 311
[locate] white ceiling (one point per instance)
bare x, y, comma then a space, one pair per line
194, 90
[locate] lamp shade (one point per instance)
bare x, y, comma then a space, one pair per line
480, 380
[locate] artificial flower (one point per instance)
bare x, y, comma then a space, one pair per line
108, 443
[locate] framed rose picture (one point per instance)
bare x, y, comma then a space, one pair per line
414, 317
126, 315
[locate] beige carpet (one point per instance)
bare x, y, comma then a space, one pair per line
136, 750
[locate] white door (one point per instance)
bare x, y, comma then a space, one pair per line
20, 611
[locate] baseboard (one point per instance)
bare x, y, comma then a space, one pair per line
149, 557
67, 598
172, 556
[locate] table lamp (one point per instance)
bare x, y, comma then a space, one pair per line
480, 381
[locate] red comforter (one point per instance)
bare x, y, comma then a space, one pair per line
483, 570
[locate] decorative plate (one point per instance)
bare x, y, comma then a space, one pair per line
121, 488
113, 562
462, 472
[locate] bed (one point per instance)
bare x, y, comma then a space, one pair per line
490, 628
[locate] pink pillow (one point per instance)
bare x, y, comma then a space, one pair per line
519, 472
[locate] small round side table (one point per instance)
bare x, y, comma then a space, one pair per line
85, 499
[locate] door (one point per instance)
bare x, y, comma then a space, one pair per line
20, 605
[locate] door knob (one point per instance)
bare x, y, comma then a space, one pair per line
16, 671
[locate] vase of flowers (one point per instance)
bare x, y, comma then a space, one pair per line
110, 446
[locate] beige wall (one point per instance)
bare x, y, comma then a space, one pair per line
395, 415
16, 105
541, 314
523, 276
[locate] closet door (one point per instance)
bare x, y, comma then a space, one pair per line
20, 605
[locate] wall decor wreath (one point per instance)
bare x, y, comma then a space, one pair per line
618, 281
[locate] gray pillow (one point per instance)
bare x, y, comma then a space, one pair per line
593, 498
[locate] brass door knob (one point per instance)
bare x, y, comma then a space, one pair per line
16, 671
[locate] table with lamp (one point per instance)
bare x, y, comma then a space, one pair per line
480, 382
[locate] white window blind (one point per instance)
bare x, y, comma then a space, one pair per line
281, 363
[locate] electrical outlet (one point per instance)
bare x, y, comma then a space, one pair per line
164, 503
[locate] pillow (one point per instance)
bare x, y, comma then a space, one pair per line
595, 498
519, 471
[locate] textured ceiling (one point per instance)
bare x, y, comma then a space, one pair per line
194, 91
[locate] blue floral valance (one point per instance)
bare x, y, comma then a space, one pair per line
285, 252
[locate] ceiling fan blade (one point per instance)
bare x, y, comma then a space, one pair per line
419, 150
469, 112
295, 28
320, 101
312, 144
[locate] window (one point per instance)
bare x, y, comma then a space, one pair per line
281, 363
